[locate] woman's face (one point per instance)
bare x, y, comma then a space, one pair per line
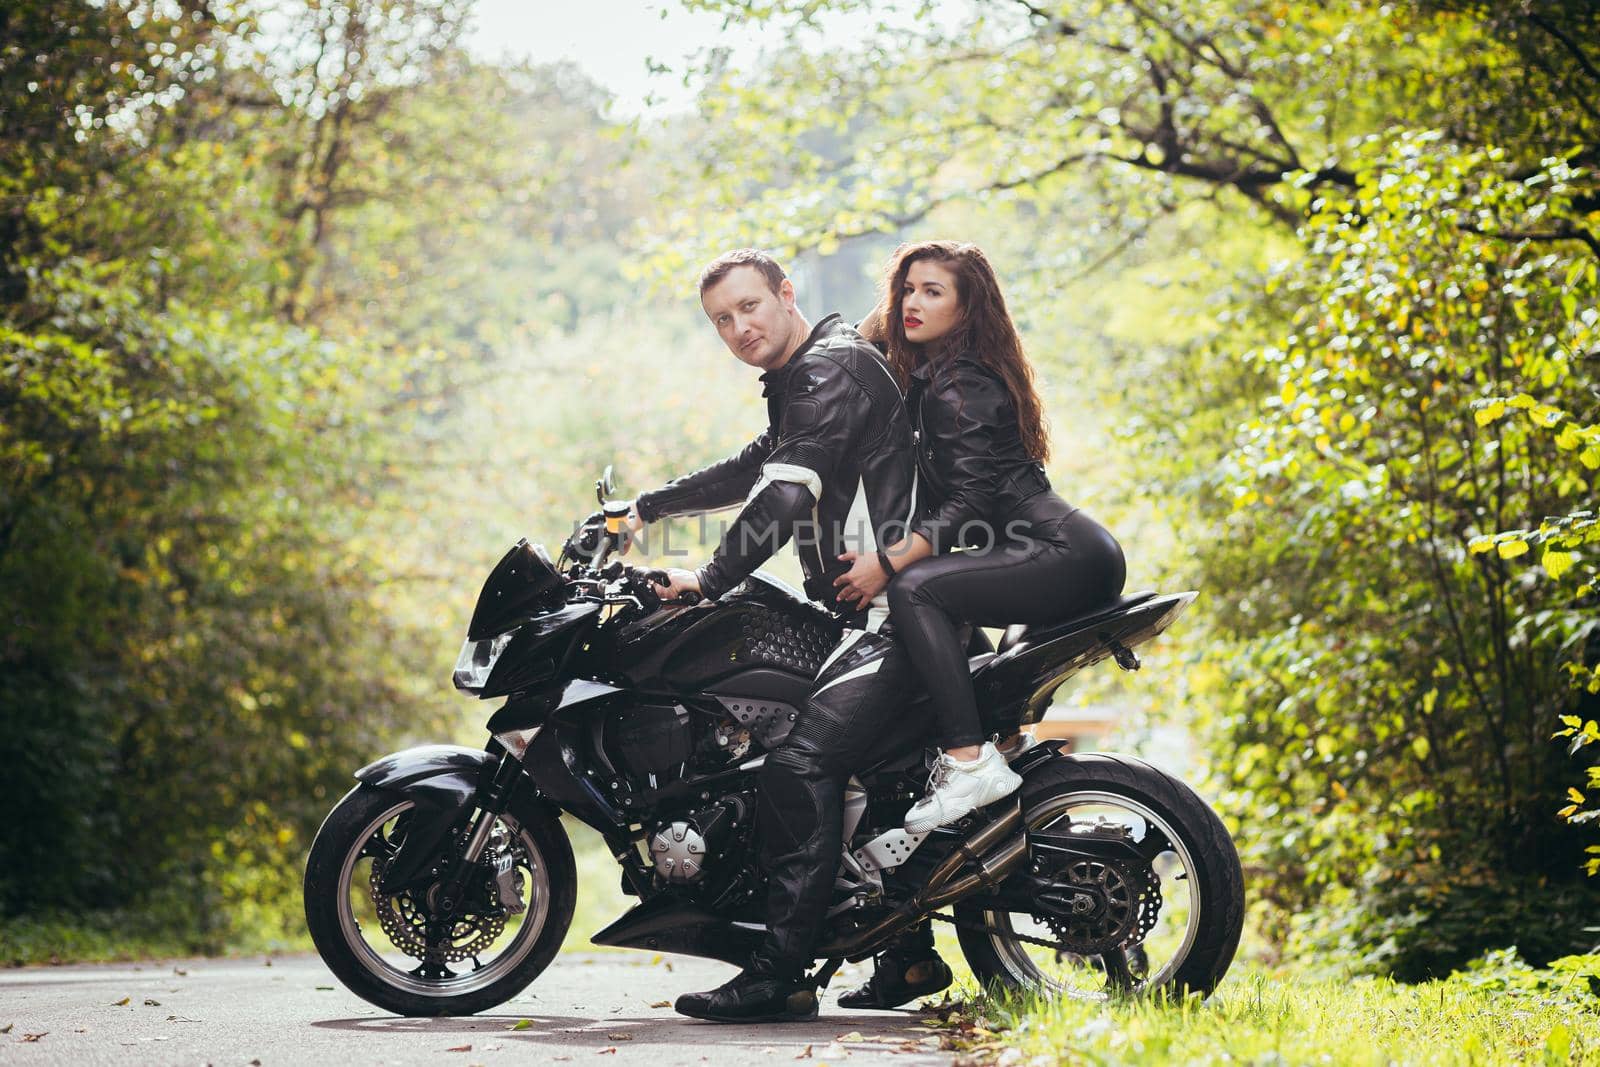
929, 306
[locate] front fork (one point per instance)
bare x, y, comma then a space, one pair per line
494, 797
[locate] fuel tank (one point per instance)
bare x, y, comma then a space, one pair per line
760, 640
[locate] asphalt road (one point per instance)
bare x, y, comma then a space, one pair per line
606, 1009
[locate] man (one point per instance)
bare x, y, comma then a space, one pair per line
834, 470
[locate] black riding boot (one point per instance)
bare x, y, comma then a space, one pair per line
799, 822
909, 968
764, 992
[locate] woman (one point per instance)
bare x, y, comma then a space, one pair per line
1030, 557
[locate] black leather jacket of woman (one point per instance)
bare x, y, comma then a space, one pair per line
973, 471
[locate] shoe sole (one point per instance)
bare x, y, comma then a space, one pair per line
928, 989
926, 827
783, 1017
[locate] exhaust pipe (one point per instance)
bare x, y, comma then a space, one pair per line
973, 850
994, 850
992, 870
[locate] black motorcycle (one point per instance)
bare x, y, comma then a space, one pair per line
444, 882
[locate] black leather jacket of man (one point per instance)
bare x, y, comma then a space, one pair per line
833, 469
973, 469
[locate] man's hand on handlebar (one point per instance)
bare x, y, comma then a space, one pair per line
678, 583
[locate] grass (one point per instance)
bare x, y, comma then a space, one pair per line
1273, 1017
108, 937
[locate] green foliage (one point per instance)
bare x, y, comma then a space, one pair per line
1571, 982
1258, 1017
1391, 699
1377, 698
246, 273
1565, 559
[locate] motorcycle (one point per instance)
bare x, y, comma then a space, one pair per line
444, 882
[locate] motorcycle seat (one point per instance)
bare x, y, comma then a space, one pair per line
1038, 634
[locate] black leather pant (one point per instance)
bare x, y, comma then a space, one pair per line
1047, 563
801, 815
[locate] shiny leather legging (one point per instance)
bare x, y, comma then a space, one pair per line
800, 816
1048, 562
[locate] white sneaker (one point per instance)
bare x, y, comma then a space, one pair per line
957, 788
1015, 746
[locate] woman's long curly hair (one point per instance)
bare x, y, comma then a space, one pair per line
985, 330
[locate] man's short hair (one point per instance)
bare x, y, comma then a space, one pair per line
724, 264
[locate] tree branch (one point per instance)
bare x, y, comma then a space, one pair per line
1568, 231
1571, 46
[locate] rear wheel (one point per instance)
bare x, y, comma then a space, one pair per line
1169, 921
391, 951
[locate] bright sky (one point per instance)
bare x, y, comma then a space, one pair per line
611, 40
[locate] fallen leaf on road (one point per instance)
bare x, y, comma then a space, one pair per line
121, 1003
320, 988
607, 1051
662, 1004
854, 1035
33, 1037
619, 1037
803, 1054
6, 1029
179, 971
266, 963
521, 1024
151, 1003
460, 1048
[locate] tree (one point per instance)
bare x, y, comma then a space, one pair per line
1388, 696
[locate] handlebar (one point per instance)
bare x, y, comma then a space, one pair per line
639, 583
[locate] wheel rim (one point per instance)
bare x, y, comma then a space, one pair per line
508, 950
1168, 943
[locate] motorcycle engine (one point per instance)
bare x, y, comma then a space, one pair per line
682, 849
652, 741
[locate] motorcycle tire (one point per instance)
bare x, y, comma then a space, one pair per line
360, 964
1215, 880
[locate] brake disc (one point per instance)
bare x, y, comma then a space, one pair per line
411, 929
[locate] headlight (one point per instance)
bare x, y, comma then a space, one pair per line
477, 660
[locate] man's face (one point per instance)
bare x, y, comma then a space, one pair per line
755, 323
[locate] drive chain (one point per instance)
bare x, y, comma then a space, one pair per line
1010, 935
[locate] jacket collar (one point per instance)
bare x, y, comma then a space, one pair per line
925, 369
772, 381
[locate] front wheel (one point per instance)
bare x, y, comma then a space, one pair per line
1168, 920
391, 951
